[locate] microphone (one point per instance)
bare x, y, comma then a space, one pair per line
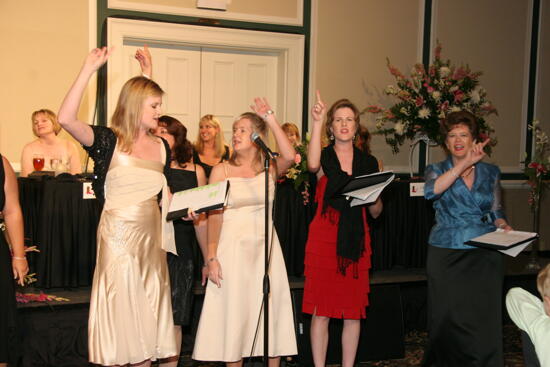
259, 142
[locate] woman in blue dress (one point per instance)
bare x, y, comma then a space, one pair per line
464, 283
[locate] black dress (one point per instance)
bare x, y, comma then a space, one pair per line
183, 268
7, 289
207, 167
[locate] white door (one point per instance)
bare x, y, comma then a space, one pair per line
231, 79
199, 81
177, 70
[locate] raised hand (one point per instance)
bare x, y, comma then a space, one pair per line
477, 153
319, 109
261, 107
143, 56
97, 58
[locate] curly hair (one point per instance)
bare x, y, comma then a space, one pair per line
182, 151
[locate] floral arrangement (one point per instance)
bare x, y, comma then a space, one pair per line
299, 173
26, 297
538, 167
426, 97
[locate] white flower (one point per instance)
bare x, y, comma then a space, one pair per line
453, 88
474, 96
424, 113
379, 125
404, 111
399, 128
441, 115
390, 89
456, 109
436, 95
444, 71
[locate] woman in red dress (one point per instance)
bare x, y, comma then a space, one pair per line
338, 249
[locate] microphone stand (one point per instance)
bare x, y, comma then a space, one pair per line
266, 285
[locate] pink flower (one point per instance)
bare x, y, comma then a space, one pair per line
419, 101
297, 158
373, 109
459, 95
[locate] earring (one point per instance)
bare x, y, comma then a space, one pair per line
331, 137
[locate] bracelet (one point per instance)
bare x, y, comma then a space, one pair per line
502, 225
267, 113
19, 257
452, 172
145, 76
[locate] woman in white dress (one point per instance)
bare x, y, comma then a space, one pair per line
130, 320
231, 324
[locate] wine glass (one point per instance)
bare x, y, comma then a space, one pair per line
38, 162
54, 163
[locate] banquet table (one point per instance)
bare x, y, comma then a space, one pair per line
62, 225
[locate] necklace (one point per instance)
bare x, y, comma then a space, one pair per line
470, 170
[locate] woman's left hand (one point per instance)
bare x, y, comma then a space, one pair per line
261, 107
20, 269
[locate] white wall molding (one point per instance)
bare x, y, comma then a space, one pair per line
210, 14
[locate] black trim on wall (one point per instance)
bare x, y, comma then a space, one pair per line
533, 59
103, 13
426, 48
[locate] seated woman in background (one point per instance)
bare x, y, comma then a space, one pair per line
57, 154
292, 133
210, 148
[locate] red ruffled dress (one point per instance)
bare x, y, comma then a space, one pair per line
326, 291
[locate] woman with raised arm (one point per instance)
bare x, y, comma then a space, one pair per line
130, 318
464, 282
12, 265
338, 249
230, 327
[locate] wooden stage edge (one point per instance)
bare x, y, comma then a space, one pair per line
515, 267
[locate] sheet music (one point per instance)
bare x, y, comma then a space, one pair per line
510, 243
198, 199
368, 194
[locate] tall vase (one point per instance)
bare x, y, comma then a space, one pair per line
419, 139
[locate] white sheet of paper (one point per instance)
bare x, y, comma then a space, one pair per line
200, 197
503, 238
514, 251
368, 194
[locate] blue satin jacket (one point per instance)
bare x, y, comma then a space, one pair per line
462, 214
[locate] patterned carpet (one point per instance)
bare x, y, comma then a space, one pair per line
414, 350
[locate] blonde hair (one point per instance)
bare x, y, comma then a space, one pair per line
51, 116
289, 127
258, 126
543, 281
126, 119
219, 144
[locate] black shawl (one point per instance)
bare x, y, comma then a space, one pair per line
351, 232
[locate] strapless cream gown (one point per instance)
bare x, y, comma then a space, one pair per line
130, 317
230, 314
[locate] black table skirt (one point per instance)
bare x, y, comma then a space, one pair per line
63, 226
399, 237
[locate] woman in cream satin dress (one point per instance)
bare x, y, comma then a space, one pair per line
235, 254
130, 318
